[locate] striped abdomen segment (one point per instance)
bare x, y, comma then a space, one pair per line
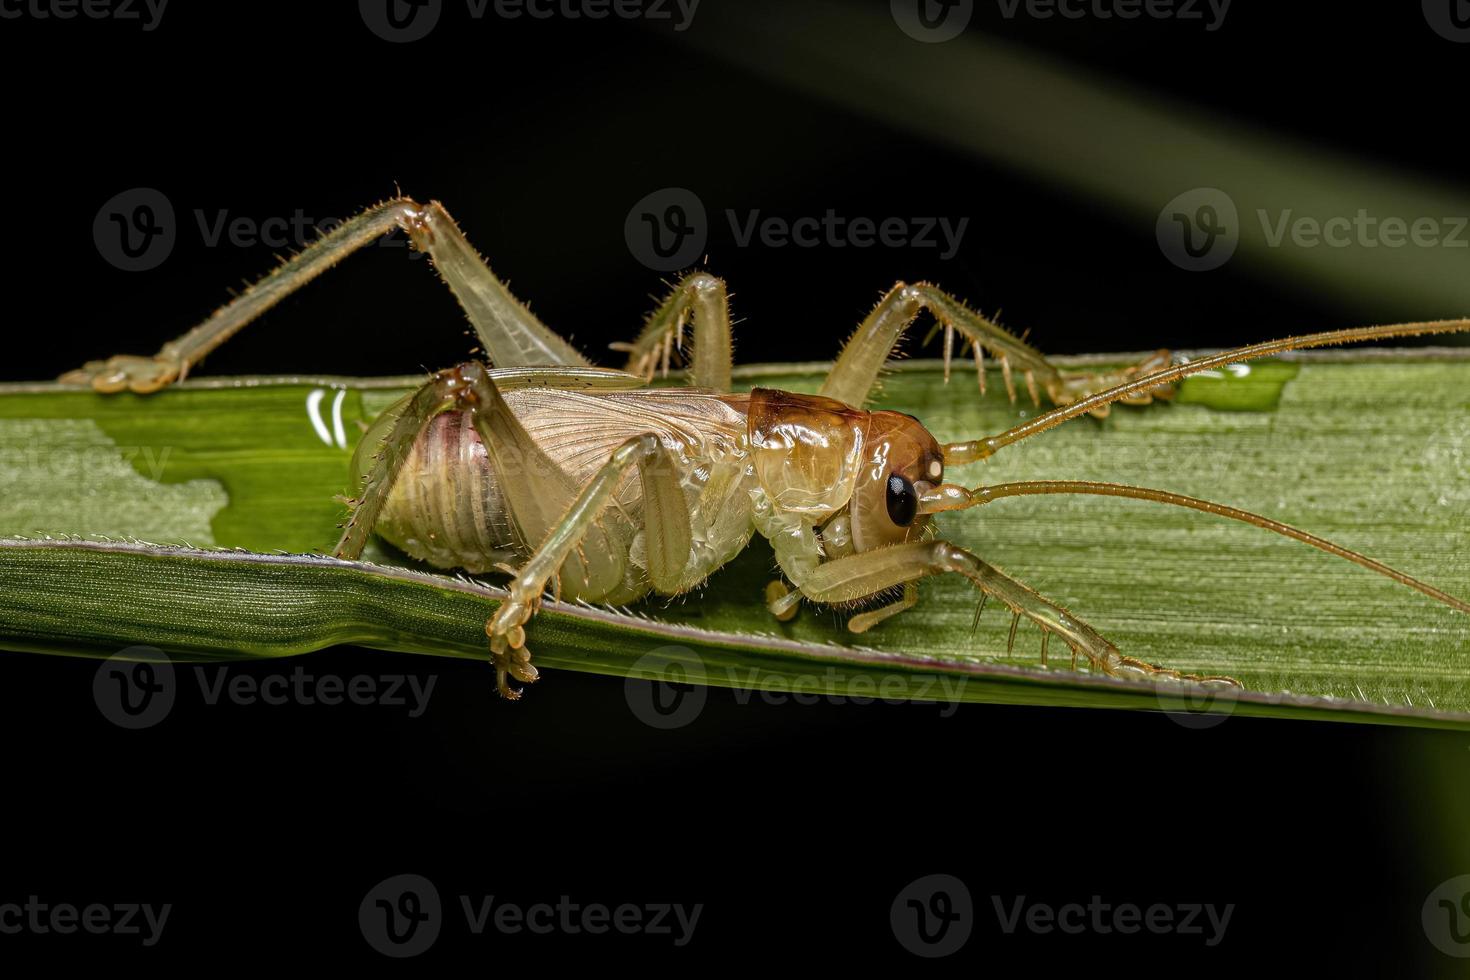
445, 507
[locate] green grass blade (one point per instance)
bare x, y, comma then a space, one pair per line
1372, 451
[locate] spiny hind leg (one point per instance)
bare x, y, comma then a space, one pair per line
703, 299
864, 574
509, 333
853, 377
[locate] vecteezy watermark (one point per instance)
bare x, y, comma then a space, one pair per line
1097, 917
76, 463
147, 13
664, 688
932, 21
1211, 13
932, 916
1363, 230
1450, 19
661, 690
1446, 917
137, 230
402, 916
831, 686
1197, 706
833, 230
1199, 229
137, 688
39, 918
567, 917
668, 230
401, 21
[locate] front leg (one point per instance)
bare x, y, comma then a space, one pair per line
861, 575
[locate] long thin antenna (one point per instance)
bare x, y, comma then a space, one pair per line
951, 497
959, 453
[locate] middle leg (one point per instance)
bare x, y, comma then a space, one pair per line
853, 377
704, 299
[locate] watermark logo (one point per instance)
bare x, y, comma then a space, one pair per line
674, 696
933, 916
135, 230
400, 21
667, 230
1197, 706
669, 700
1446, 917
932, 21
135, 688
1199, 230
1450, 19
401, 916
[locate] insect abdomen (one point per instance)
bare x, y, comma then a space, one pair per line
446, 508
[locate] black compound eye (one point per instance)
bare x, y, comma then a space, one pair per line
903, 502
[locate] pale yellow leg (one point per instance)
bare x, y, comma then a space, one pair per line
667, 537
699, 297
510, 334
861, 575
853, 376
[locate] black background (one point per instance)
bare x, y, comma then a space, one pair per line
794, 825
